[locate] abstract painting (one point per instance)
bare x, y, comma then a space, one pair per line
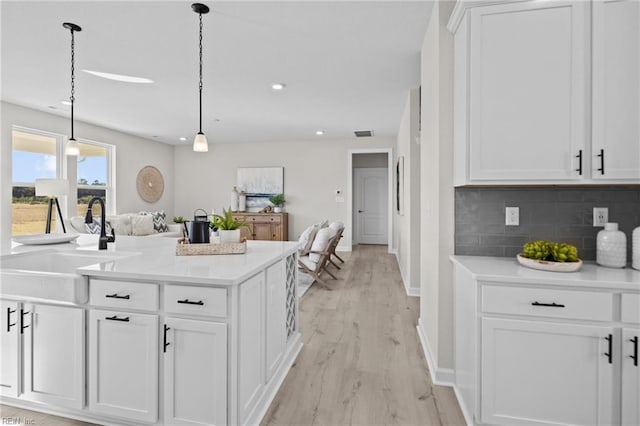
260, 183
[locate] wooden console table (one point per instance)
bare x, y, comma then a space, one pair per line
264, 226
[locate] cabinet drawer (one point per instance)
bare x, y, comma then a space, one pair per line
195, 300
630, 308
123, 294
543, 302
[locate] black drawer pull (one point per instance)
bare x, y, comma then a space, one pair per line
9, 325
601, 168
609, 354
164, 349
551, 305
22, 326
634, 357
191, 302
115, 318
115, 296
579, 157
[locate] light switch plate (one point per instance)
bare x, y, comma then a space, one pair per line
512, 216
600, 216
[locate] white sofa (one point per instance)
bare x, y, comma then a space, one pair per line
134, 224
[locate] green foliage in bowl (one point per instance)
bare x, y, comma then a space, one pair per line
550, 251
178, 219
226, 222
277, 200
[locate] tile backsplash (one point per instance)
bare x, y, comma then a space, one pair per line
563, 214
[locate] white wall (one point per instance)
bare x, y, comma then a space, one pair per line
132, 153
436, 292
313, 171
407, 225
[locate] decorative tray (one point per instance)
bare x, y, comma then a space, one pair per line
184, 248
547, 265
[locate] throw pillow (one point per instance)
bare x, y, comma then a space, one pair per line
306, 239
337, 226
320, 243
121, 224
159, 220
142, 225
95, 227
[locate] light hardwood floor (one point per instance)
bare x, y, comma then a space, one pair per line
361, 363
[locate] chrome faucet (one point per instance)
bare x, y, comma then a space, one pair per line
104, 239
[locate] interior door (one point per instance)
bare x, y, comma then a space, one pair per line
371, 205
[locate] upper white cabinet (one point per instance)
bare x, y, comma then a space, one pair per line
536, 81
616, 90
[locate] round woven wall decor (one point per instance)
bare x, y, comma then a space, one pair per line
150, 184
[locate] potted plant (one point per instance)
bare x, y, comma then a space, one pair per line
277, 201
228, 226
178, 219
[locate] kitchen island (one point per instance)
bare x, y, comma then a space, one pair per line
148, 337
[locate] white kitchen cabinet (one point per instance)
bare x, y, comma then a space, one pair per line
53, 362
630, 377
616, 90
9, 348
527, 90
195, 372
123, 364
546, 372
275, 299
251, 376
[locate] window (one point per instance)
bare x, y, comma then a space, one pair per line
35, 154
94, 165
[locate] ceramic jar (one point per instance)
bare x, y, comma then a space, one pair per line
235, 199
611, 247
635, 248
242, 201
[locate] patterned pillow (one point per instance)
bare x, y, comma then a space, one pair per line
94, 227
159, 220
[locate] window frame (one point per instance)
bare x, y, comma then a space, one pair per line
109, 188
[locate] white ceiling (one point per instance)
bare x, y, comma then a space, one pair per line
347, 65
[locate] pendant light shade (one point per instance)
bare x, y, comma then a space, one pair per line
72, 148
200, 143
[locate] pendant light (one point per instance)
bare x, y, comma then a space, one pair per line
72, 149
200, 142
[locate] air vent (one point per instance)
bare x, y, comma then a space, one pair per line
363, 133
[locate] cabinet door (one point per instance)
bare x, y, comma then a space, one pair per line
275, 317
543, 372
53, 362
527, 90
195, 372
250, 345
616, 90
9, 348
262, 231
123, 364
630, 377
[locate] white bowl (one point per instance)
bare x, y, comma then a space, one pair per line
546, 265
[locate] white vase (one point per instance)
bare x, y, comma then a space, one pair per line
611, 247
242, 202
277, 209
234, 199
635, 248
229, 236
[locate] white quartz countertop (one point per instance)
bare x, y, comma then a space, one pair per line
145, 258
504, 269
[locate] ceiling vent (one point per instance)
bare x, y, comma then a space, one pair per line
363, 133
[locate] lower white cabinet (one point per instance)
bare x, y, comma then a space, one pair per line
195, 372
630, 377
546, 372
123, 364
53, 361
9, 348
276, 311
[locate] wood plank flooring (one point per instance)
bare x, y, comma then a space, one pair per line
361, 363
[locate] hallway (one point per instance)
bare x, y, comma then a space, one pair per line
361, 363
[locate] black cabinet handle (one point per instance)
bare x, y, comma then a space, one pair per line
551, 305
634, 357
601, 155
115, 296
9, 325
579, 157
22, 326
115, 318
164, 348
191, 302
609, 354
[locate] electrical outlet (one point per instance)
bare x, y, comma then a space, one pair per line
600, 216
512, 216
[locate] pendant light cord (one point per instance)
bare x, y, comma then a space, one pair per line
200, 86
73, 79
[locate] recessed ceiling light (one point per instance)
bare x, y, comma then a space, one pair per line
183, 139
278, 86
65, 103
319, 132
119, 77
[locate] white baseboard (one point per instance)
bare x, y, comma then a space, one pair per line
439, 376
468, 418
411, 291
